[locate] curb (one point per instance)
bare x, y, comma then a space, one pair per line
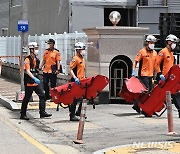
8, 103
166, 147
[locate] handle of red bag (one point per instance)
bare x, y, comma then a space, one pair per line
88, 85
163, 83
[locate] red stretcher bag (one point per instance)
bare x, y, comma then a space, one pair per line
132, 90
154, 102
98, 83
67, 93
88, 88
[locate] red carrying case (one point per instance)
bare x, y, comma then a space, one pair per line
88, 89
155, 101
132, 90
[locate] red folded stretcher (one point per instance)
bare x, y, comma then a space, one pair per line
132, 90
155, 101
88, 89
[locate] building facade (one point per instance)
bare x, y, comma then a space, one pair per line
58, 16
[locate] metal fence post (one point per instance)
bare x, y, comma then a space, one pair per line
65, 53
14, 49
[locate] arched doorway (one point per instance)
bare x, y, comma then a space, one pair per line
120, 68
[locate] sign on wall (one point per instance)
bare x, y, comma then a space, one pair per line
23, 25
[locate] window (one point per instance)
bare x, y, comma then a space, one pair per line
142, 2
4, 31
14, 3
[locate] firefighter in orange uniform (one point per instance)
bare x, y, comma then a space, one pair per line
146, 59
51, 67
164, 61
165, 57
32, 83
77, 72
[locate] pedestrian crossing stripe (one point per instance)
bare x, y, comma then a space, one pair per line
35, 105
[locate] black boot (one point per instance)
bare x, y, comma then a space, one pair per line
138, 110
48, 97
78, 113
179, 113
145, 114
24, 117
74, 118
44, 114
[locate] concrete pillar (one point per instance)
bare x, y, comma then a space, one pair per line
109, 42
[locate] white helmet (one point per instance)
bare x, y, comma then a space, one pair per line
80, 45
32, 45
151, 38
172, 38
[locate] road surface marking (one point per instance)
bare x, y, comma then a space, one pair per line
166, 147
27, 136
35, 105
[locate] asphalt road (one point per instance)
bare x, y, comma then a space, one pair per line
106, 126
11, 141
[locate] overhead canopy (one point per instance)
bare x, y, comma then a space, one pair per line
104, 2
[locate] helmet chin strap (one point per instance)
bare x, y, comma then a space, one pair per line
78, 52
148, 49
32, 52
169, 47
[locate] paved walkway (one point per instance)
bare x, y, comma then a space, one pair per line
9, 89
109, 129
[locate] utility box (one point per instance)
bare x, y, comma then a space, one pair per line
111, 51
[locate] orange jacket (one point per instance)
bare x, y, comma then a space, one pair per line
77, 64
50, 57
146, 61
27, 67
166, 59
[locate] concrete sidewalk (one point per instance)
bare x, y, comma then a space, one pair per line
110, 128
8, 91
